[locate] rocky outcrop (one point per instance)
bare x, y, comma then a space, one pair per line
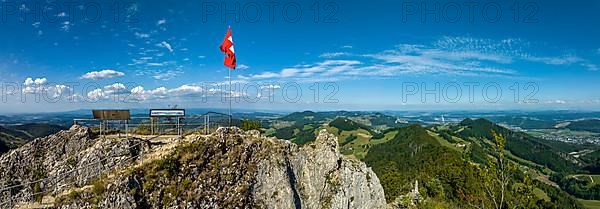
70, 158
237, 169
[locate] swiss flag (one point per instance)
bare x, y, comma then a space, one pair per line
227, 48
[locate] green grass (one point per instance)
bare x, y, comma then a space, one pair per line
359, 147
595, 178
446, 143
590, 204
540, 194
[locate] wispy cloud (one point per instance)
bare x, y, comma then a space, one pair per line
242, 67
165, 45
103, 74
167, 75
333, 54
141, 35
556, 101
66, 26
162, 24
458, 56
327, 67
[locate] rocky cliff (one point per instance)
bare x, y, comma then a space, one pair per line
229, 169
70, 158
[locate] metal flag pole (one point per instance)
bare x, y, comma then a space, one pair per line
230, 95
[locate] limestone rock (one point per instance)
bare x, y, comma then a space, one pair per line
54, 163
228, 169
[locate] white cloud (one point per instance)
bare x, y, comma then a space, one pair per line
557, 101
166, 45
590, 67
62, 14
270, 86
321, 69
186, 89
40, 85
155, 64
460, 56
37, 81
333, 54
96, 94
119, 92
116, 88
447, 56
166, 75
242, 67
161, 22
562, 60
103, 74
139, 92
59, 90
347, 47
66, 26
141, 35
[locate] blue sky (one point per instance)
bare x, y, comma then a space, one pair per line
376, 55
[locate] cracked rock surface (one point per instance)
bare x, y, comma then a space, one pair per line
228, 169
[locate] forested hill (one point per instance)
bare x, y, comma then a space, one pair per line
521, 144
592, 125
15, 136
448, 177
415, 155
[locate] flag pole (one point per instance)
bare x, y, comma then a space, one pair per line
230, 96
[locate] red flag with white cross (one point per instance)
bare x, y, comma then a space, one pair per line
227, 48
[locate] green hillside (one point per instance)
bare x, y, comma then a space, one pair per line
11, 139
451, 161
520, 144
345, 124
15, 136
415, 155
36, 130
448, 179
592, 125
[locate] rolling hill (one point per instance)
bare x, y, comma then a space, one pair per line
415, 155
520, 144
592, 125
15, 136
448, 178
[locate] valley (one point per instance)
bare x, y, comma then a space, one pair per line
452, 156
